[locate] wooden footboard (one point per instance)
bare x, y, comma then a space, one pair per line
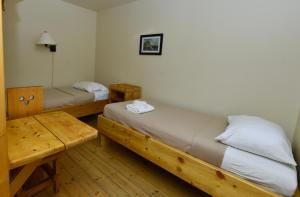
211, 179
82, 109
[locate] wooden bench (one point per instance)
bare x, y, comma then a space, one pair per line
36, 142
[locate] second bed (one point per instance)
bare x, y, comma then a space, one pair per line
194, 133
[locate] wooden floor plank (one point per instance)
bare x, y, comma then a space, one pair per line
120, 175
78, 180
69, 187
120, 167
99, 177
93, 185
161, 179
112, 175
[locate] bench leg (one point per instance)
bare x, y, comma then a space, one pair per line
21, 178
56, 179
18, 180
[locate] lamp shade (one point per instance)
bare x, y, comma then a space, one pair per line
46, 39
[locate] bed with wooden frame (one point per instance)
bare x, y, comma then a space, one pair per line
34, 97
203, 175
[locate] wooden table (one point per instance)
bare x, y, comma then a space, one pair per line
37, 140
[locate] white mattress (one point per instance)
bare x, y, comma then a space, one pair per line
276, 176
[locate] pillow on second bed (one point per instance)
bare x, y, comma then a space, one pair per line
89, 86
258, 136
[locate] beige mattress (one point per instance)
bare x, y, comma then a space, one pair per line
191, 132
80, 96
65, 96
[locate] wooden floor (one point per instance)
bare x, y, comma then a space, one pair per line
91, 170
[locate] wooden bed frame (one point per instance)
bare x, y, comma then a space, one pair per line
82, 109
206, 177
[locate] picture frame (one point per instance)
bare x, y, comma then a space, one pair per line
151, 44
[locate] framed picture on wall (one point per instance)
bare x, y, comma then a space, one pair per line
151, 44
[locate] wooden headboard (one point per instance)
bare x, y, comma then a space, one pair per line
24, 101
296, 145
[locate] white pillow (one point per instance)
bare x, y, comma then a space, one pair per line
89, 86
258, 136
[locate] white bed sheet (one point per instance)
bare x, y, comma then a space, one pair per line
276, 176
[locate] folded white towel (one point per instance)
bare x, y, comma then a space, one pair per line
139, 107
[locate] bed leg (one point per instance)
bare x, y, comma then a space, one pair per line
103, 140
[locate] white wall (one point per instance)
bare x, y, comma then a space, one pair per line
225, 57
73, 28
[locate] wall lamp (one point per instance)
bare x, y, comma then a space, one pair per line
48, 41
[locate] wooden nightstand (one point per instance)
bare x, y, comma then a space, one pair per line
124, 92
